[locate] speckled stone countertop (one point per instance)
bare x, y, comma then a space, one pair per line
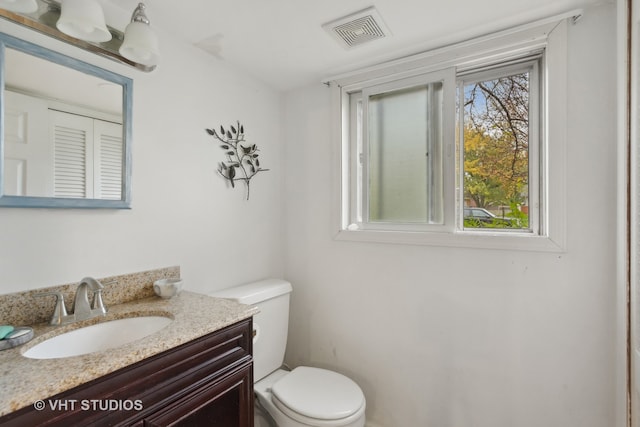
24, 381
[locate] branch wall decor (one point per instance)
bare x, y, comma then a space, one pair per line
242, 162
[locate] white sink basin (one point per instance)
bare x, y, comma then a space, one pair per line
98, 337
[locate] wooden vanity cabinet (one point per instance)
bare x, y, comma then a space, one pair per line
205, 382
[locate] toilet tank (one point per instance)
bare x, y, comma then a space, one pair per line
271, 324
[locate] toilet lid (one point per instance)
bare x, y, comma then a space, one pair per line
318, 393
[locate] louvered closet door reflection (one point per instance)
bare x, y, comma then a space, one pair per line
108, 160
72, 136
87, 156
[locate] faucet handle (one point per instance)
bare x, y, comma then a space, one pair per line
60, 311
97, 287
97, 302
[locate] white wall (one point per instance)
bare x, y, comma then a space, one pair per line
182, 214
448, 337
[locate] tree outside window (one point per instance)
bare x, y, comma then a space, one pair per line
495, 128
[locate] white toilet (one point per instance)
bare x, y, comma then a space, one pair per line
302, 397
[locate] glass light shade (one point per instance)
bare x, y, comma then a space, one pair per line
84, 20
140, 44
19, 6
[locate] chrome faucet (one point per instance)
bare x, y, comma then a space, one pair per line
82, 310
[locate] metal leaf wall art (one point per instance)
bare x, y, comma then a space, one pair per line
243, 161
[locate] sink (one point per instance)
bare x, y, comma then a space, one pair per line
98, 337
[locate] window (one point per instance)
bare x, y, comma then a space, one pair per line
498, 146
398, 151
451, 147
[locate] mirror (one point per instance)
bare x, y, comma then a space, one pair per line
65, 131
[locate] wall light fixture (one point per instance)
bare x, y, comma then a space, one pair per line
82, 23
84, 20
140, 42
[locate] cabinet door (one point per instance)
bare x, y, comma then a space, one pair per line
224, 403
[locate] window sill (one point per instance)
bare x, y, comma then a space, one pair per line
460, 239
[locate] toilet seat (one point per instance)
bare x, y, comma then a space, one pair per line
318, 397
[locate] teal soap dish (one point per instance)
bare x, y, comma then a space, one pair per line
19, 336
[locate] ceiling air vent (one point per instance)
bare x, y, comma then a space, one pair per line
358, 28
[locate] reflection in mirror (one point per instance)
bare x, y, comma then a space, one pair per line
65, 133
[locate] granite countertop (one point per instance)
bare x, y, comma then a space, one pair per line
24, 381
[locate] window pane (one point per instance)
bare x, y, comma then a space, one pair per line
405, 155
495, 174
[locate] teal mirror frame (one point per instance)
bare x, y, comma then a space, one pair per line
7, 41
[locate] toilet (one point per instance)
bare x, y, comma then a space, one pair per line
305, 396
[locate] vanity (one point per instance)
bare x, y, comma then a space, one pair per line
197, 371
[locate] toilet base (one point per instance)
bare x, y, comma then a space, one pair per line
260, 417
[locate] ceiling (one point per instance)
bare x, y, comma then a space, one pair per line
282, 42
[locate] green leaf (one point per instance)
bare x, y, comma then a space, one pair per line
211, 132
224, 147
233, 129
230, 153
222, 130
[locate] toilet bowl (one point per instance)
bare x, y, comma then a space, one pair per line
311, 397
305, 396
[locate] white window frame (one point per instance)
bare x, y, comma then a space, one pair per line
550, 36
537, 168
